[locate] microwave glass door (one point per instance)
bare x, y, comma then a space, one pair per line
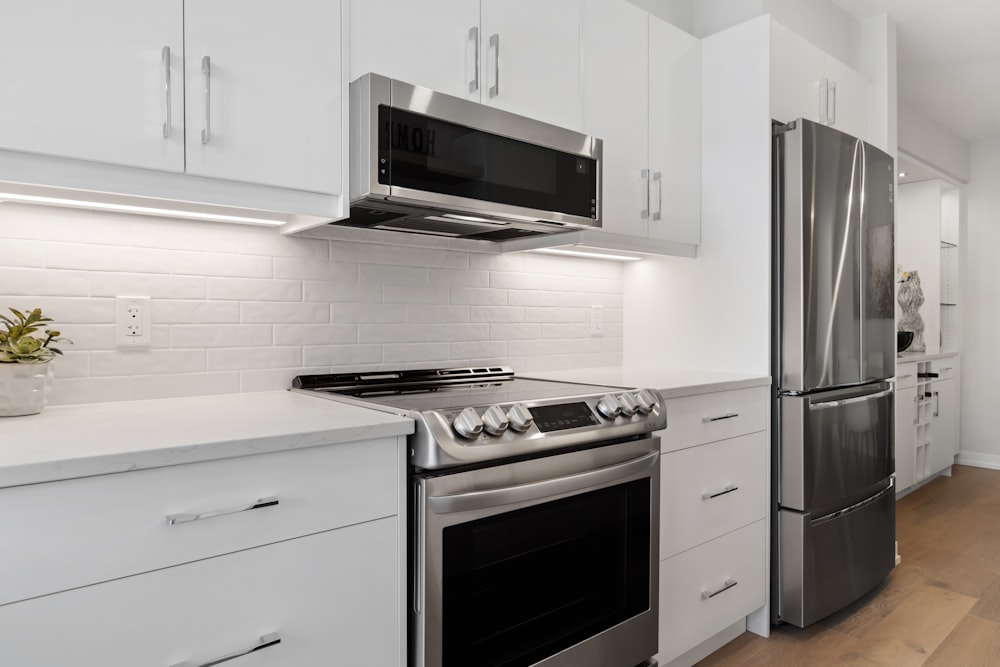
521, 586
435, 156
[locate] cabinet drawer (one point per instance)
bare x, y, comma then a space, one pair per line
65, 534
946, 368
906, 375
694, 420
711, 490
708, 588
331, 597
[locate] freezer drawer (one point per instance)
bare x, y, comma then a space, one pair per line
836, 446
829, 561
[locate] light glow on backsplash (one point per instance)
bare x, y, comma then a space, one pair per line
242, 309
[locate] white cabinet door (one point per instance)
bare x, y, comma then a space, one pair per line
615, 108
530, 55
264, 92
87, 80
674, 133
796, 69
906, 406
944, 426
333, 598
432, 43
851, 113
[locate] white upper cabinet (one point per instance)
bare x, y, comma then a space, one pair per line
808, 83
642, 96
516, 55
263, 100
89, 81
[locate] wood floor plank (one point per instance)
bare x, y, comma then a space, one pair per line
975, 642
860, 617
912, 632
988, 606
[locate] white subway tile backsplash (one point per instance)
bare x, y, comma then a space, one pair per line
220, 264
268, 312
219, 335
247, 309
146, 284
17, 252
43, 282
146, 362
193, 384
251, 289
315, 334
497, 314
429, 314
191, 312
239, 358
315, 269
341, 355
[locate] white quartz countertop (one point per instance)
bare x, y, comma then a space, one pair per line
671, 383
69, 441
908, 357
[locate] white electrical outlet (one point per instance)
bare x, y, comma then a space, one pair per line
597, 321
132, 321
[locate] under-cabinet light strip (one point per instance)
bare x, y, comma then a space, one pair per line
591, 254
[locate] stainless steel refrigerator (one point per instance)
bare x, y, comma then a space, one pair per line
834, 351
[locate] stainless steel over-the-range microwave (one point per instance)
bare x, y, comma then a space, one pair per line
430, 163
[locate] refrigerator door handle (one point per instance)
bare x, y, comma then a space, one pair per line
856, 506
849, 401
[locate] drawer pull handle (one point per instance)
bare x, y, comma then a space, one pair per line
708, 495
948, 368
173, 519
728, 415
267, 640
902, 377
707, 595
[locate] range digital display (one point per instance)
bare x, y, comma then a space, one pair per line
564, 416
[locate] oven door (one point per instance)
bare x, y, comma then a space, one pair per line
551, 561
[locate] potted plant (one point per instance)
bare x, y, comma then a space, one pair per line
26, 362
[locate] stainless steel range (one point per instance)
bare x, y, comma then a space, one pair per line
533, 515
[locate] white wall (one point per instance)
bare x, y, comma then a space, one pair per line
918, 230
933, 144
677, 12
713, 313
824, 24
239, 309
981, 321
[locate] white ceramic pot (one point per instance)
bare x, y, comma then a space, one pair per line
24, 388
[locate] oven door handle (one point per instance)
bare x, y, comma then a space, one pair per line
477, 500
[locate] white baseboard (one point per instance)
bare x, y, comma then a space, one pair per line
978, 460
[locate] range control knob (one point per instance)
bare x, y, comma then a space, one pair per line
629, 405
468, 424
495, 420
520, 418
609, 407
646, 401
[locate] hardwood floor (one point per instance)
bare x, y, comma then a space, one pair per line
940, 607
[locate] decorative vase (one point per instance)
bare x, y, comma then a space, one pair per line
24, 388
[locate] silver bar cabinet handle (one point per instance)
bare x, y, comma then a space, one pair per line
269, 639
708, 495
658, 177
495, 45
474, 38
644, 213
824, 102
832, 96
728, 415
174, 519
167, 121
902, 377
727, 584
948, 368
206, 70
937, 404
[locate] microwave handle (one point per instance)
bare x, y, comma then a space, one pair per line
477, 500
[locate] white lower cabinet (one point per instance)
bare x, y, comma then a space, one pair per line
714, 496
328, 597
703, 590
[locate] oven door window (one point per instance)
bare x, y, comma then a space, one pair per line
521, 586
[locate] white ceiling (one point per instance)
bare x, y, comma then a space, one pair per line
948, 60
